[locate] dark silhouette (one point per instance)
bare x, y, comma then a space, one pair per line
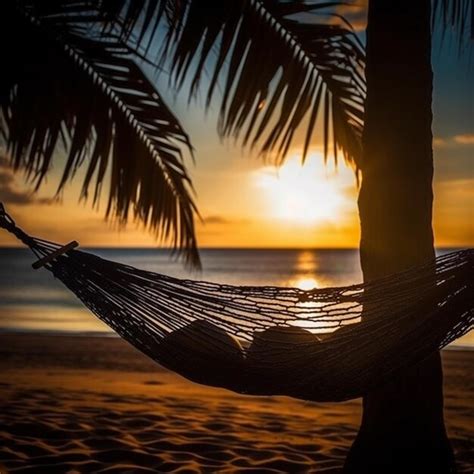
276, 69
270, 348
70, 83
202, 352
403, 421
191, 326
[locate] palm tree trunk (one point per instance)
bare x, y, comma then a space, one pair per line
402, 426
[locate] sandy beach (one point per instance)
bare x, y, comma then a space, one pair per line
89, 404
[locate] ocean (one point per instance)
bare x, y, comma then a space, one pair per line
34, 301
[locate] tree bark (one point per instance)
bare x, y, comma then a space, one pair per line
402, 427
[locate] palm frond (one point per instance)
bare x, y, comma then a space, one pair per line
455, 15
280, 69
67, 83
281, 65
136, 20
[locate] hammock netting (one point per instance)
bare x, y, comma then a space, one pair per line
328, 344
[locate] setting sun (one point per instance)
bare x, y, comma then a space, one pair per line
305, 194
306, 283
236, 236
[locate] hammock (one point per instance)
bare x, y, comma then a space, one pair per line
328, 344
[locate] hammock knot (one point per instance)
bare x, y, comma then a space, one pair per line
7, 223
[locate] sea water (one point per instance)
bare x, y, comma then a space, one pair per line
34, 301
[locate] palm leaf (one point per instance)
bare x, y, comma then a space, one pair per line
278, 67
69, 83
454, 15
277, 61
135, 20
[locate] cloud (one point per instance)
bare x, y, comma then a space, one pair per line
215, 220
9, 193
355, 13
10, 196
465, 139
219, 220
439, 142
6, 178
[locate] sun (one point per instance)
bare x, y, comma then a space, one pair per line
303, 283
304, 195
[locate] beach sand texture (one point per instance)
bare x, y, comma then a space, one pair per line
90, 404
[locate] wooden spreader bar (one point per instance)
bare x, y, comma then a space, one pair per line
61, 251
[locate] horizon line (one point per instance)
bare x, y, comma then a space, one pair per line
170, 249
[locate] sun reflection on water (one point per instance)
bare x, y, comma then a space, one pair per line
307, 276
306, 267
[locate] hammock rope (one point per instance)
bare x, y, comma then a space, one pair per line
327, 344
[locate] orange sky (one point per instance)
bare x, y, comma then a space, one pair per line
246, 203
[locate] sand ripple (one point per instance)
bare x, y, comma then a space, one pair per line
73, 418
173, 435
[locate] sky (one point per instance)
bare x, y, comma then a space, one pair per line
245, 202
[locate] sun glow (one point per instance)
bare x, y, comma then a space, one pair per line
303, 195
306, 283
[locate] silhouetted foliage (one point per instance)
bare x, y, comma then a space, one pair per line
73, 75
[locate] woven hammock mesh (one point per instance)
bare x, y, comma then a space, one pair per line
326, 344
